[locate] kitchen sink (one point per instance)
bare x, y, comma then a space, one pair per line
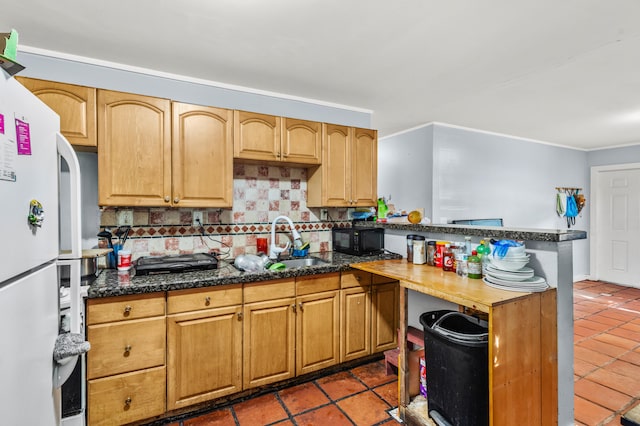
301, 263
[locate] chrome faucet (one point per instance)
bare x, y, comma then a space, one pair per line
274, 250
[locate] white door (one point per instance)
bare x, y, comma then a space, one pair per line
616, 234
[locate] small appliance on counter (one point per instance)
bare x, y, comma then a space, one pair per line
358, 241
175, 263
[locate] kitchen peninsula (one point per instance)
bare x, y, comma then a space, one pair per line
531, 334
532, 377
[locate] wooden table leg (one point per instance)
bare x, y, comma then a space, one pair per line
403, 359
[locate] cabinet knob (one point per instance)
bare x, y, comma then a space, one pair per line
127, 402
300, 305
167, 199
239, 316
207, 300
293, 307
127, 310
176, 200
127, 350
358, 278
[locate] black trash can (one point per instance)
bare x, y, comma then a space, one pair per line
456, 356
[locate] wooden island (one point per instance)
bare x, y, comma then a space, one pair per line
523, 353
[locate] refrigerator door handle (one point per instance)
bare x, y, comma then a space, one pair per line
66, 151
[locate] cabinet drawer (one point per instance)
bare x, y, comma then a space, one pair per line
123, 308
125, 346
127, 397
269, 290
204, 298
355, 278
317, 283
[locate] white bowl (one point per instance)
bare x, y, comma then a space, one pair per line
509, 264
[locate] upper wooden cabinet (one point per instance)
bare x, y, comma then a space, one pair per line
261, 137
141, 164
134, 153
349, 171
202, 148
76, 106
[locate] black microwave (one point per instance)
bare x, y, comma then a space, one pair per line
358, 241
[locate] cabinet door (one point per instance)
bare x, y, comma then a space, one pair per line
384, 317
364, 168
256, 136
204, 355
301, 141
134, 150
76, 106
317, 331
202, 156
355, 323
269, 336
337, 166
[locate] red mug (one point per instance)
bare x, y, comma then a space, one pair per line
262, 245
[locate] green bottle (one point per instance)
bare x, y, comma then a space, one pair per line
474, 266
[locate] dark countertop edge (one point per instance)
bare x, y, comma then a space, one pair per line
550, 235
191, 280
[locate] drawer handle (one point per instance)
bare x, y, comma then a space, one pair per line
207, 300
127, 402
127, 350
127, 310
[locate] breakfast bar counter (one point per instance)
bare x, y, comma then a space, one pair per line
523, 380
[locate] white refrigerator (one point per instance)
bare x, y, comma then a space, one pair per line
30, 151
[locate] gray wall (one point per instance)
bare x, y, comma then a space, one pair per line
607, 157
405, 169
67, 71
475, 174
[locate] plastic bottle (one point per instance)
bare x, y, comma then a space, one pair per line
461, 264
483, 253
467, 246
474, 266
447, 258
431, 251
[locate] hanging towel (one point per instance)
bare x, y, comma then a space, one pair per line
561, 202
572, 211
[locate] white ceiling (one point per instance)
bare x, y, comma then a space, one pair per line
565, 72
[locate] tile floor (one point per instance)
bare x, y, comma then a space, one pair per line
606, 351
362, 396
606, 369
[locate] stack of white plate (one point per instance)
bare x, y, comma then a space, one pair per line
511, 273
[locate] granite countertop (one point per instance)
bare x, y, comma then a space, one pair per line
118, 283
497, 232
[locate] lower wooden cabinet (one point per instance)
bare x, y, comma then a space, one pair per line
317, 331
126, 364
218, 341
269, 342
204, 355
204, 359
355, 322
385, 315
126, 398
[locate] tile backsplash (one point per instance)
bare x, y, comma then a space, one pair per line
260, 194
